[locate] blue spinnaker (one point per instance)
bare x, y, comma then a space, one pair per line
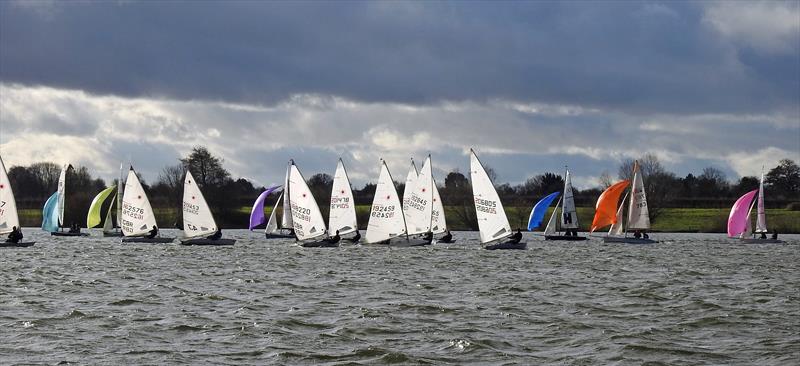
50, 214
537, 213
257, 213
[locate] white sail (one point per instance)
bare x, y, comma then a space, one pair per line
343, 208
420, 201
638, 216
272, 223
62, 188
550, 229
385, 218
108, 224
438, 221
286, 218
197, 218
569, 215
307, 219
411, 177
618, 227
9, 218
761, 221
492, 221
137, 215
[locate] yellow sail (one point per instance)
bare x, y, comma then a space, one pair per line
93, 218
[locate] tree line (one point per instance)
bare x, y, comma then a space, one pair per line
228, 197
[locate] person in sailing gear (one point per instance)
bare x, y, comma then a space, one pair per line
637, 234
763, 235
428, 236
216, 236
14, 236
516, 237
775, 235
333, 239
356, 238
447, 237
153, 232
644, 235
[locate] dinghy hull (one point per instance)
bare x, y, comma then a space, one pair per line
8, 244
403, 243
112, 234
319, 244
208, 242
147, 240
622, 240
507, 245
60, 233
439, 241
279, 236
564, 237
761, 241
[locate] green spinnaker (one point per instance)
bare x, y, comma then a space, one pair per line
93, 218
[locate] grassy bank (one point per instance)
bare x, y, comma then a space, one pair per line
670, 220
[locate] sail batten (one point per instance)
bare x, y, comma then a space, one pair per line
492, 221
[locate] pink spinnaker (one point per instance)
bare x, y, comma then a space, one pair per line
740, 214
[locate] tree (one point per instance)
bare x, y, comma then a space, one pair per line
457, 193
606, 180
320, 186
206, 169
712, 183
784, 179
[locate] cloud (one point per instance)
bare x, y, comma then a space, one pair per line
631, 57
766, 26
256, 141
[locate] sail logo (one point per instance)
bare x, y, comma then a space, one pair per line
487, 206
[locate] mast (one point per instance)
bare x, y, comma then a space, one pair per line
761, 218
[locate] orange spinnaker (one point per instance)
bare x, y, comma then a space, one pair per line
605, 212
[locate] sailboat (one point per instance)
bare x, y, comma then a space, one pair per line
9, 217
387, 224
137, 219
257, 212
342, 215
199, 226
539, 209
638, 217
418, 206
60, 199
569, 215
307, 221
492, 221
739, 225
281, 229
93, 217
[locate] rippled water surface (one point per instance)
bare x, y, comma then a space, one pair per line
691, 299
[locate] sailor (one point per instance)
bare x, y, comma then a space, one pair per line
333, 239
516, 237
216, 236
644, 235
428, 236
637, 234
14, 236
356, 238
153, 232
447, 237
74, 228
763, 235
775, 235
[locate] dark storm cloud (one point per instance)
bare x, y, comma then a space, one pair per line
631, 56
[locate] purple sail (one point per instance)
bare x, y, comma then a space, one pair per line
257, 213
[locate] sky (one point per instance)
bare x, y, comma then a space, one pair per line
531, 86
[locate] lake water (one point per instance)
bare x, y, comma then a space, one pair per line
693, 299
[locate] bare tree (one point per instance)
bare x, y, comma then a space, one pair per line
606, 180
